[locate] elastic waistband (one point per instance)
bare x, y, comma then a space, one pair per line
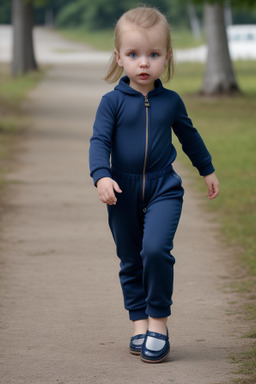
138, 176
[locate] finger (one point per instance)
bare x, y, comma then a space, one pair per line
107, 201
117, 188
110, 199
104, 198
214, 192
210, 190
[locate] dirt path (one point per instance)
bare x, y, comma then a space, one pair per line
62, 314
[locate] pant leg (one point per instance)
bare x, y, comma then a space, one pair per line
160, 224
126, 224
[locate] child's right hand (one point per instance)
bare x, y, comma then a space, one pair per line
106, 187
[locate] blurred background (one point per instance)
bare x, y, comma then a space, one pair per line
102, 14
221, 30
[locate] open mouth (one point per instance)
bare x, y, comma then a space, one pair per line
143, 76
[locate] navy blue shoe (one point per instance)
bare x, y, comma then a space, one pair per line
136, 344
155, 348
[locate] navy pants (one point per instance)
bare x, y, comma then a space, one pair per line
143, 231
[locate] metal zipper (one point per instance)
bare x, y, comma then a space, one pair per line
147, 105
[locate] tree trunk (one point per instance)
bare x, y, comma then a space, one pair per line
219, 75
228, 14
23, 59
194, 20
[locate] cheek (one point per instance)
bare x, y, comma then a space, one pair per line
160, 65
128, 64
164, 63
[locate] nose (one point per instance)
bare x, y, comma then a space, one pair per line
144, 63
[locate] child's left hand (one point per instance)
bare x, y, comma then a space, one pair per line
212, 185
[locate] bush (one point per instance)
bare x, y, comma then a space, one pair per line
99, 14
71, 15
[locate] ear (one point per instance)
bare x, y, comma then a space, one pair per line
118, 59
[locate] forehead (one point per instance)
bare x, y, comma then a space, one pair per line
132, 35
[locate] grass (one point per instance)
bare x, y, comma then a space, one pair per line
104, 40
228, 128
13, 92
101, 40
183, 39
247, 367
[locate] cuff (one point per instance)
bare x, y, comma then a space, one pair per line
206, 169
138, 314
100, 173
158, 312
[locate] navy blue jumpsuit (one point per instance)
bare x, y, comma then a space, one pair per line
132, 143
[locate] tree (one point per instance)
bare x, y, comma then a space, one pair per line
219, 75
23, 48
194, 20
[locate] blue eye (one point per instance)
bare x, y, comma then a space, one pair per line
133, 55
154, 55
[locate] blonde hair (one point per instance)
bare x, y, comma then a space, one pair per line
143, 17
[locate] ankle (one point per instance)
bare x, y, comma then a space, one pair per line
140, 327
157, 325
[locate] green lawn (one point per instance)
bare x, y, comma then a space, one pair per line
104, 40
12, 119
228, 128
101, 40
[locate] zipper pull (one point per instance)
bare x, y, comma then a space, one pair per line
147, 104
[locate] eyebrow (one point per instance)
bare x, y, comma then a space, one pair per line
137, 49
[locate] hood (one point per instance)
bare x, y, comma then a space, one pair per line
124, 87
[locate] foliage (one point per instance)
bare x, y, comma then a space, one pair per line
236, 3
71, 15
94, 14
243, 11
102, 14
92, 11
99, 14
177, 13
242, 3
5, 11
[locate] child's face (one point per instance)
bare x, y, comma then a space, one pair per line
143, 56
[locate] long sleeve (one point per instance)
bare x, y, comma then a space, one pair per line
101, 141
191, 141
